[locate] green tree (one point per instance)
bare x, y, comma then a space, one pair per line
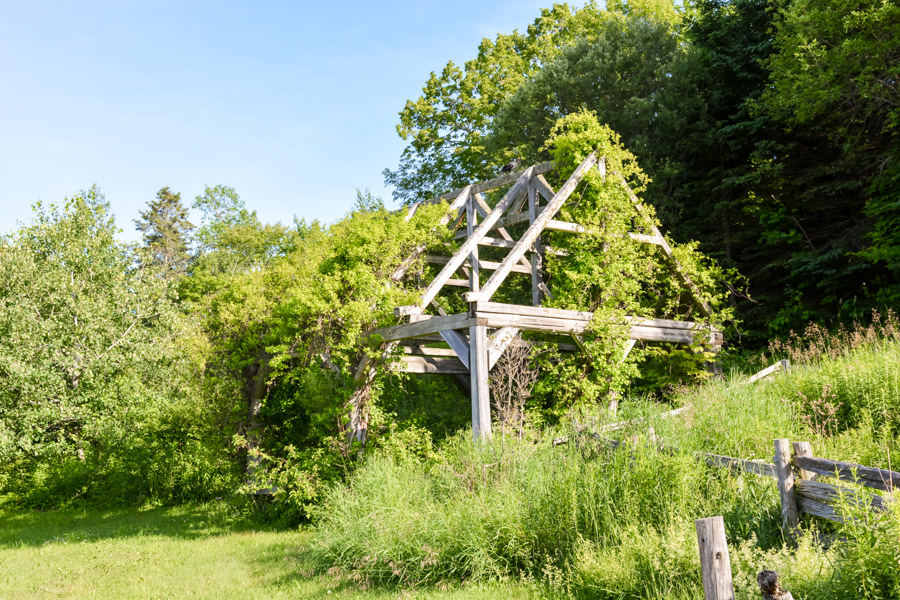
446, 126
834, 80
99, 378
634, 74
166, 232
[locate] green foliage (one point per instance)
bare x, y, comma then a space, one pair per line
166, 232
605, 271
100, 395
585, 521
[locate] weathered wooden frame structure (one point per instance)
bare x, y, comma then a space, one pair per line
478, 337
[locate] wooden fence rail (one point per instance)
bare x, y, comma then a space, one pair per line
797, 472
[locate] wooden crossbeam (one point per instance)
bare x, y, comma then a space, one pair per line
472, 242
529, 237
433, 365
500, 229
487, 265
459, 201
664, 246
428, 326
499, 342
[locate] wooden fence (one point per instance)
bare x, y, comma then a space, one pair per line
797, 472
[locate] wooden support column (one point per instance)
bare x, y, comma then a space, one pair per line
471, 220
790, 514
715, 566
537, 257
478, 371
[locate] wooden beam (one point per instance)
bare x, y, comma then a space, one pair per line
528, 239
543, 187
537, 257
498, 343
880, 479
424, 327
478, 370
459, 201
433, 365
415, 350
664, 245
751, 466
715, 566
492, 184
472, 242
790, 515
487, 265
500, 230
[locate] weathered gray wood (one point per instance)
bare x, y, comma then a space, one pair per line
433, 365
880, 479
531, 311
537, 257
484, 264
492, 184
770, 587
790, 516
471, 218
498, 343
472, 242
804, 449
715, 565
458, 343
415, 350
780, 365
751, 466
829, 494
479, 199
543, 187
640, 420
529, 237
459, 202
818, 509
478, 369
425, 327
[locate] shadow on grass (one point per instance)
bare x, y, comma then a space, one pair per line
36, 528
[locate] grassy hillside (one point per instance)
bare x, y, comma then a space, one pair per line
524, 517
583, 520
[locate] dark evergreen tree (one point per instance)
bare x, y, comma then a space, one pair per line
166, 232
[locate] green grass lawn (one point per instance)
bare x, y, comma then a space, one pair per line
179, 552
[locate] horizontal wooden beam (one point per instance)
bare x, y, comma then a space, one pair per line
829, 494
416, 350
880, 479
751, 466
433, 365
484, 264
492, 184
423, 327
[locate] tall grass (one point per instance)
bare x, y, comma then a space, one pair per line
584, 520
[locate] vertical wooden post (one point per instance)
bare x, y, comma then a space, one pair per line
715, 566
478, 371
537, 257
804, 449
790, 515
474, 267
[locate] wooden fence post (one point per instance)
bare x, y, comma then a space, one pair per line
804, 449
715, 566
790, 515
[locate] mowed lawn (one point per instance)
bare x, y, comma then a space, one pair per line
173, 553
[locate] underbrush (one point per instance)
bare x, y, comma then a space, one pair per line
582, 519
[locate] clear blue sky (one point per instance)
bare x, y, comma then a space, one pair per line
294, 104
